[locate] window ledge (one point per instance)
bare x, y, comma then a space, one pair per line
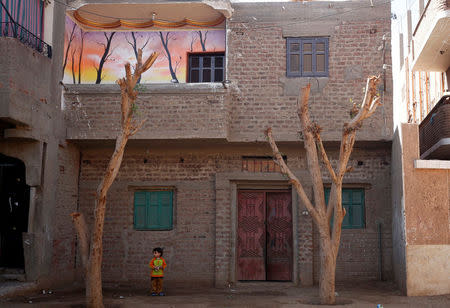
432, 164
152, 88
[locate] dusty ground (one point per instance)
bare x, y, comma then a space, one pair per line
367, 294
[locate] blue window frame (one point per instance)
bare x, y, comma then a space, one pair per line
353, 202
307, 57
206, 67
153, 210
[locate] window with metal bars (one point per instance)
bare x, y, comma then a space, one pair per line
206, 67
307, 57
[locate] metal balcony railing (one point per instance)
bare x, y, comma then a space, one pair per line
12, 29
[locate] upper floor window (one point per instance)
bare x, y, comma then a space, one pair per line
307, 57
206, 67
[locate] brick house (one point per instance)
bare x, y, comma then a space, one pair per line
198, 179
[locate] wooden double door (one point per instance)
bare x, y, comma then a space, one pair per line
264, 233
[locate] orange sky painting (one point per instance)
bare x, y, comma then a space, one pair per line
122, 52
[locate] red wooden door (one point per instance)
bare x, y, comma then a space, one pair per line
264, 248
251, 236
279, 236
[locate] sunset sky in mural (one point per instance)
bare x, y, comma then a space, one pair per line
122, 52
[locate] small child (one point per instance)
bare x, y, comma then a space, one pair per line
157, 265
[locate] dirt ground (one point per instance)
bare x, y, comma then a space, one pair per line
367, 294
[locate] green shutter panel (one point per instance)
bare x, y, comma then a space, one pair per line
346, 201
140, 210
357, 207
165, 209
153, 210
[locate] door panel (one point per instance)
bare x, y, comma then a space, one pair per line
251, 236
279, 236
14, 207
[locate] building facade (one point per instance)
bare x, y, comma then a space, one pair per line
420, 152
32, 139
198, 178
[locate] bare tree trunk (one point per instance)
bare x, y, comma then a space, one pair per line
321, 213
134, 45
94, 277
327, 271
94, 296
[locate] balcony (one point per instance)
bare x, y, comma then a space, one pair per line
434, 131
24, 76
430, 53
173, 111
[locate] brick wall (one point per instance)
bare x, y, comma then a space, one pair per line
203, 213
93, 112
64, 239
259, 95
359, 253
257, 64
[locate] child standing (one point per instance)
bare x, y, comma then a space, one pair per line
157, 265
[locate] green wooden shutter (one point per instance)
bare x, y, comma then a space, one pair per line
165, 209
153, 210
353, 202
140, 210
356, 209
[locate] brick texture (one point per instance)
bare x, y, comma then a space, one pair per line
198, 248
64, 242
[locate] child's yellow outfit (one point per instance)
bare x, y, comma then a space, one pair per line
157, 266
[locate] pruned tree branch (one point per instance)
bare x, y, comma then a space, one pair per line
324, 156
94, 296
321, 212
310, 130
292, 178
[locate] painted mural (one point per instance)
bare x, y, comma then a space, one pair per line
99, 57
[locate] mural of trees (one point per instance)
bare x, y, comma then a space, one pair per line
106, 54
202, 38
80, 58
99, 56
134, 44
165, 39
69, 39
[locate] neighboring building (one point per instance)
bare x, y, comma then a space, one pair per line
33, 224
421, 146
198, 179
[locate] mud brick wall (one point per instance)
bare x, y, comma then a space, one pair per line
198, 248
259, 93
266, 97
93, 112
359, 252
64, 240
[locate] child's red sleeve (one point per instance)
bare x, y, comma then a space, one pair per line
151, 264
164, 264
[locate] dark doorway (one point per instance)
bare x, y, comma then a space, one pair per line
264, 235
14, 206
